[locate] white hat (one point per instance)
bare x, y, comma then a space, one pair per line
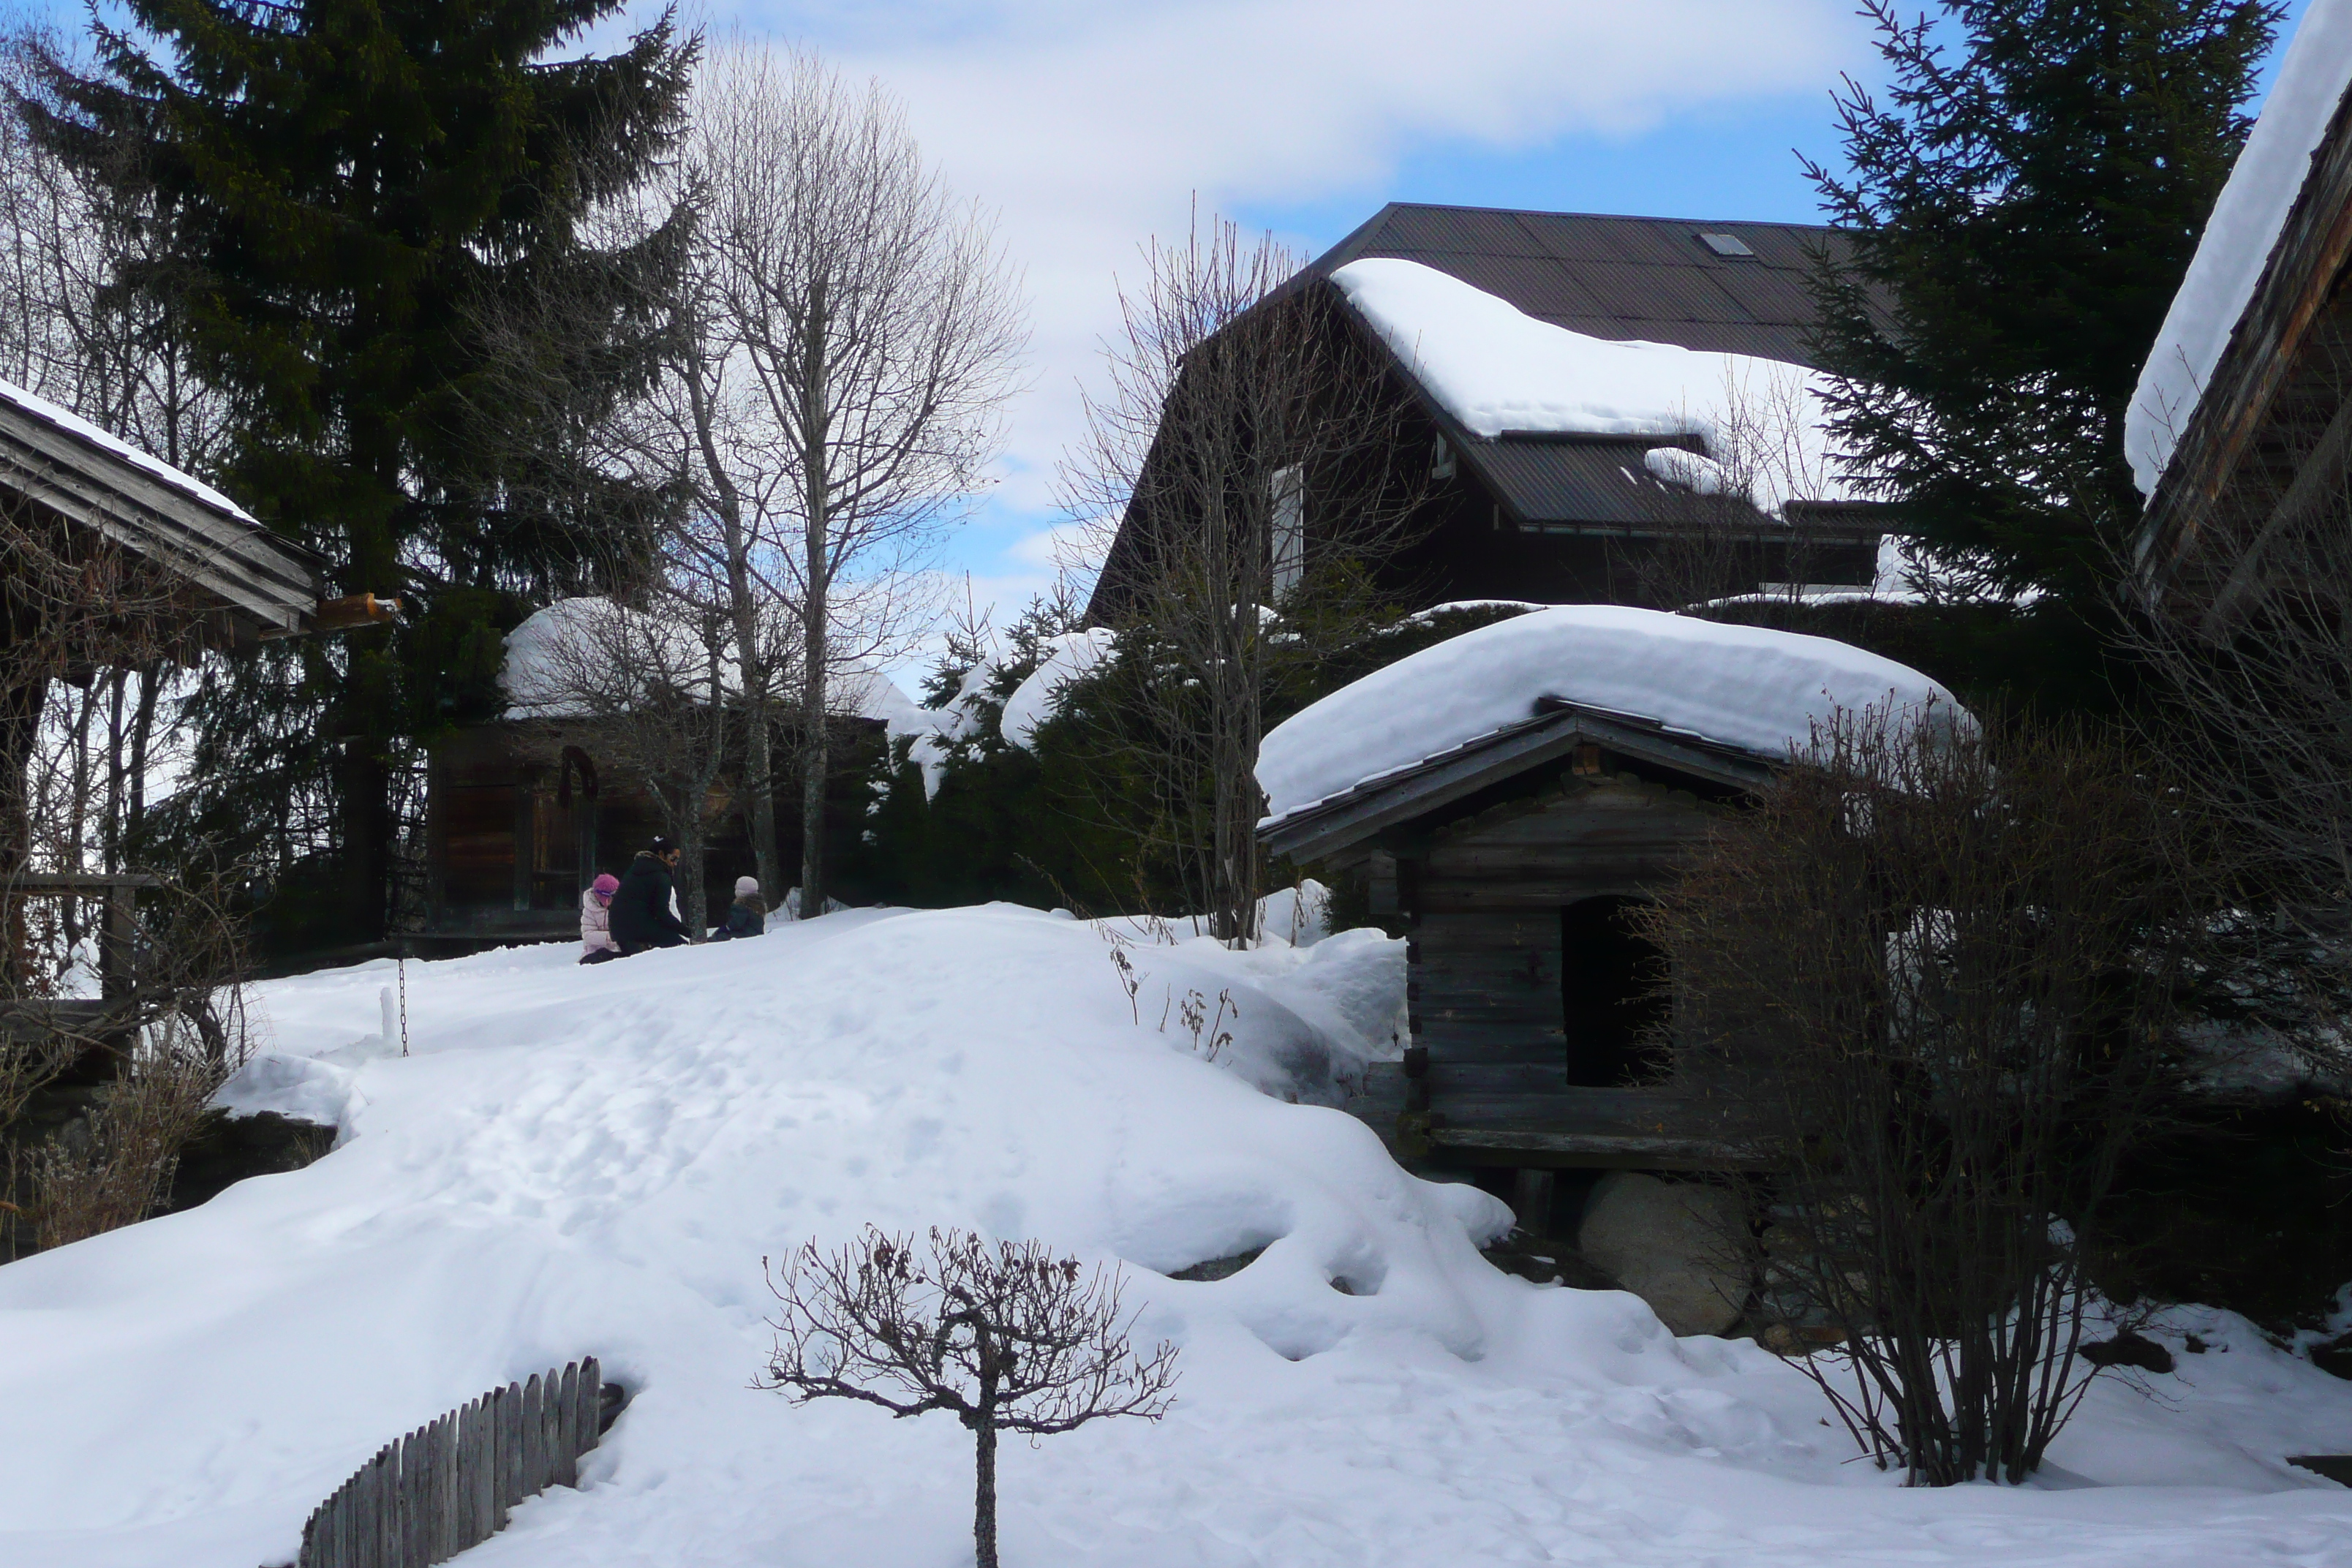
746, 886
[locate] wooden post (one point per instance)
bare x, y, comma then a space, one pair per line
1532, 1192
566, 1469
591, 1402
534, 1437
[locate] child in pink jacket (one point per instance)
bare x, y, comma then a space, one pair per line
596, 941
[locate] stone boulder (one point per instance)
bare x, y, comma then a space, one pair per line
1672, 1244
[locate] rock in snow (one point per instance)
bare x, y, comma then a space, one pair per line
596, 1159
1749, 687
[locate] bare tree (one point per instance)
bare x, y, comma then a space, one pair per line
851, 336
1246, 473
651, 677
2253, 678
1936, 976
1006, 1338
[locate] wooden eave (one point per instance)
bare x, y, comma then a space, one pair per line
2271, 430
1346, 819
271, 587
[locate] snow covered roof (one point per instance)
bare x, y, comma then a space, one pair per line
548, 654
2240, 237
1500, 371
1750, 688
266, 585
82, 429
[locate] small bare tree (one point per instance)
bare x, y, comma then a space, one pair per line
1008, 1338
1937, 977
1245, 475
852, 331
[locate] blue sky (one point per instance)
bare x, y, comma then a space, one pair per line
1092, 125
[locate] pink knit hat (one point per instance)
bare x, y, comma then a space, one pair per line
606, 885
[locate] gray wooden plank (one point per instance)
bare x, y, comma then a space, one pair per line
591, 1402
534, 1437
566, 1467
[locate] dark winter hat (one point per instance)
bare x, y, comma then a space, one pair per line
663, 846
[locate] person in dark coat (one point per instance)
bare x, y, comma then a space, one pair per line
747, 916
644, 911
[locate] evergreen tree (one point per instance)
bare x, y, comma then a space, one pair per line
350, 191
2024, 202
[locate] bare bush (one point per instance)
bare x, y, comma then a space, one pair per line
1007, 1337
1936, 976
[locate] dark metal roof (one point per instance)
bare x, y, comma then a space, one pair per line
1625, 278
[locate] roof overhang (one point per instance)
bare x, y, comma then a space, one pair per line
1343, 821
2271, 436
267, 586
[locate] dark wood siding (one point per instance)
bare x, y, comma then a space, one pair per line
1487, 896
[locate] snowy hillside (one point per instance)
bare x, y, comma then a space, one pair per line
596, 1159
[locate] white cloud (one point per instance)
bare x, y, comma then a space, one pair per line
1092, 126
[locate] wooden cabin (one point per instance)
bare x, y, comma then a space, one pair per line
1579, 519
1508, 862
521, 815
206, 576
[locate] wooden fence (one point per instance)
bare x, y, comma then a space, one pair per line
449, 1484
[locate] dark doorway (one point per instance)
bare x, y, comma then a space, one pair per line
1612, 992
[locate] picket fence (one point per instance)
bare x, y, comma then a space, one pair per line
449, 1484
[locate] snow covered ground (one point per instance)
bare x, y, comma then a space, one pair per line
596, 1159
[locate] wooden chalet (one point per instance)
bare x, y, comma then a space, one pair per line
2268, 441
1510, 861
1579, 519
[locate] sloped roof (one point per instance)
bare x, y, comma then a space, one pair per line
268, 586
1626, 278
1650, 279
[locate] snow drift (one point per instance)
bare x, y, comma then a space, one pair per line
576, 1161
1749, 687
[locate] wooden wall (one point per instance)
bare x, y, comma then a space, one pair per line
1484, 904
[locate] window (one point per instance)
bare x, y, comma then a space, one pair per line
1729, 245
1288, 543
1612, 995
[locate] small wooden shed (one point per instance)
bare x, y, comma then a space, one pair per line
1511, 861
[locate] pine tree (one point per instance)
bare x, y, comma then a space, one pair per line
347, 187
2024, 201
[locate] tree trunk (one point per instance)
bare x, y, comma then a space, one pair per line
759, 761
983, 1502
815, 760
20, 722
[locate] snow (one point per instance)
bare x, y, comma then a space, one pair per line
1678, 466
1066, 660
1748, 686
74, 424
554, 646
2239, 236
1501, 372
596, 1159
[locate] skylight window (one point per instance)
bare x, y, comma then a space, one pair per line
1726, 243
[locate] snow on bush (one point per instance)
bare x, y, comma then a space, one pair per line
2239, 236
596, 1159
1501, 372
1064, 661
1749, 687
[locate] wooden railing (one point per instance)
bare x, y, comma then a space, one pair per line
449, 1484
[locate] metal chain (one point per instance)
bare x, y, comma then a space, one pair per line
403, 1001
